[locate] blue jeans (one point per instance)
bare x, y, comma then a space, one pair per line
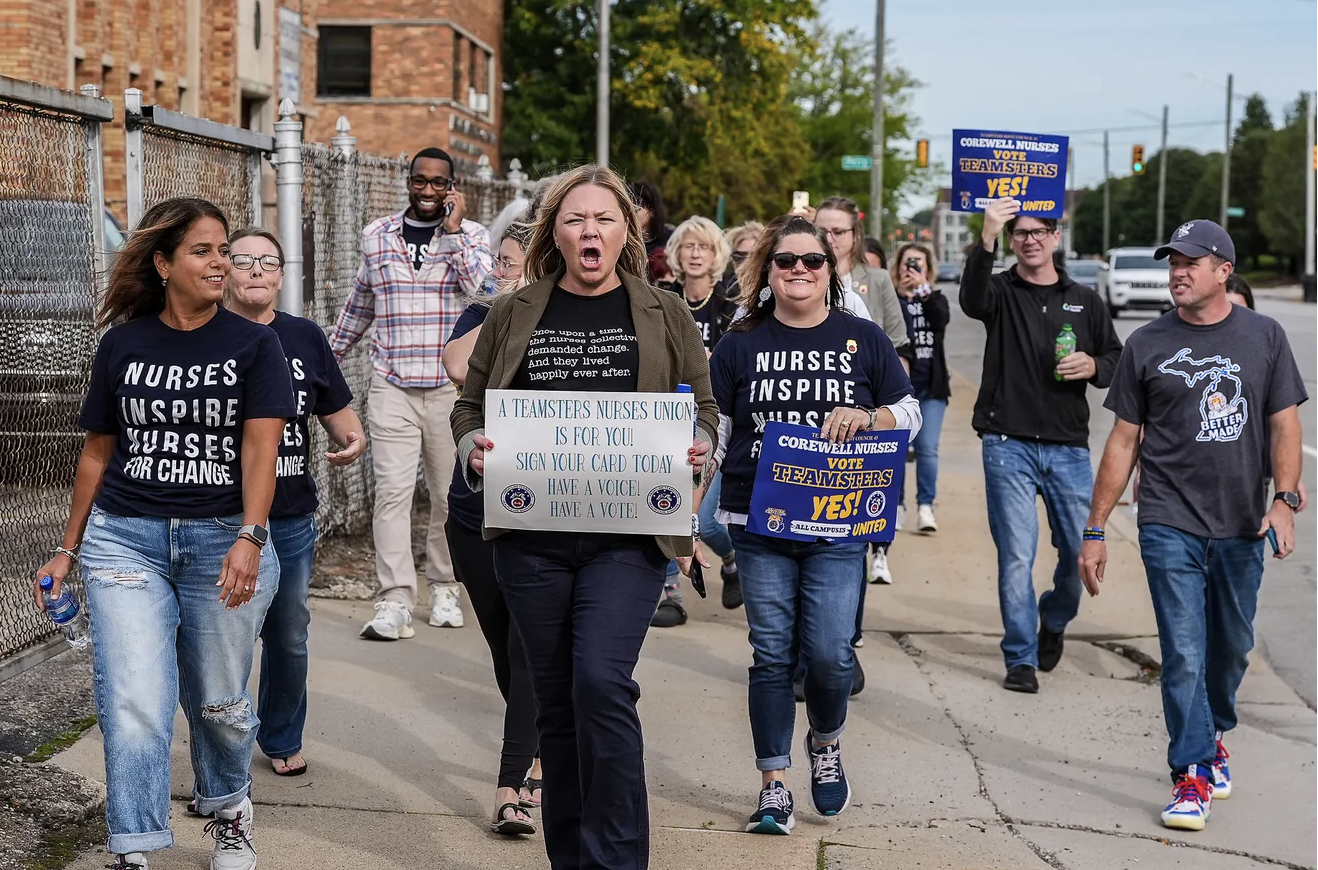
801, 601
1205, 592
1016, 472
163, 638
281, 701
925, 446
712, 532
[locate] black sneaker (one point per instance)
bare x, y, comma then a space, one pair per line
668, 614
1021, 679
731, 587
857, 679
830, 792
1050, 649
776, 811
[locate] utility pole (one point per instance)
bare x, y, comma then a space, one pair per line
876, 146
1158, 237
602, 89
1226, 155
1066, 198
1107, 195
1309, 168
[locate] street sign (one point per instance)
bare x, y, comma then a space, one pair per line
1235, 211
858, 162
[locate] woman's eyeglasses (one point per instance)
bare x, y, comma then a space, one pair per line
787, 262
244, 262
739, 257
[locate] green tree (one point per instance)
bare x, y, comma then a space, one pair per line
1206, 194
1254, 119
1281, 209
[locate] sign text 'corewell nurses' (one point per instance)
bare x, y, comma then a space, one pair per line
807, 488
589, 462
1030, 167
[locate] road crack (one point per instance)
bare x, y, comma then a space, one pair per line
1175, 844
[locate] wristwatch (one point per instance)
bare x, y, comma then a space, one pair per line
1292, 500
874, 418
258, 535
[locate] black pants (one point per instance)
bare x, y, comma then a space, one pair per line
473, 566
583, 604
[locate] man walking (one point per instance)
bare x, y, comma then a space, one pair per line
1216, 389
1032, 416
415, 266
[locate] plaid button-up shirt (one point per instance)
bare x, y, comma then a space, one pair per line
413, 312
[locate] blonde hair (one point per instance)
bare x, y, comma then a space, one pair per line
735, 235
704, 230
543, 256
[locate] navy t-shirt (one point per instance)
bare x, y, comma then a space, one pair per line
177, 400
782, 373
318, 388
464, 506
418, 236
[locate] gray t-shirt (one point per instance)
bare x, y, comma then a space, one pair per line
1204, 395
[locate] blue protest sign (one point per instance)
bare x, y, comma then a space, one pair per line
1030, 167
806, 488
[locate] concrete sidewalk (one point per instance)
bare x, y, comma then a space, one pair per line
949, 770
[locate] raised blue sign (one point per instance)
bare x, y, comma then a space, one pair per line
807, 488
989, 164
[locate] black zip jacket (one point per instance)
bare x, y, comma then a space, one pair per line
1018, 394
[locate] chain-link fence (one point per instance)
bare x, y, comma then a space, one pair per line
51, 232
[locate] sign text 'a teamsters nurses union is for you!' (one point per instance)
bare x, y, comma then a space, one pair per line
589, 462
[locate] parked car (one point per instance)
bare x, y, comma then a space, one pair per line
1084, 272
948, 272
1131, 278
47, 339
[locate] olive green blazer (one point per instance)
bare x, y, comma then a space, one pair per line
668, 344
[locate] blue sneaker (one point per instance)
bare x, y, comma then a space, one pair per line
1192, 798
1221, 772
775, 814
830, 793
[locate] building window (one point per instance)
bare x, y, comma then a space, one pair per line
457, 67
344, 62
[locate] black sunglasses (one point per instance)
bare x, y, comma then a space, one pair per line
787, 262
739, 257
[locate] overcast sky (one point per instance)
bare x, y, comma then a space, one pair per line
1063, 67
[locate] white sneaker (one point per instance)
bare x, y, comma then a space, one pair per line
130, 861
392, 620
901, 517
879, 572
232, 830
445, 611
924, 518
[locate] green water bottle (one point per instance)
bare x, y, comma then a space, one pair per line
1063, 347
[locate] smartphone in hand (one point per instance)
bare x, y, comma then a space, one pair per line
1272, 539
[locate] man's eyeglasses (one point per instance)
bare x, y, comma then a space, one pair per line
420, 183
1037, 233
786, 262
244, 262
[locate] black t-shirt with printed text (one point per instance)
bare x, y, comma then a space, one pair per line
319, 388
418, 236
922, 340
582, 343
776, 372
177, 401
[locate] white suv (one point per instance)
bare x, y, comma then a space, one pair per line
1131, 278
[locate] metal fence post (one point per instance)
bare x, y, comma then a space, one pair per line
93, 145
133, 155
516, 175
343, 143
288, 198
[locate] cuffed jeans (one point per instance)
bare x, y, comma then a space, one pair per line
1205, 593
1016, 472
163, 638
801, 600
408, 426
282, 697
582, 604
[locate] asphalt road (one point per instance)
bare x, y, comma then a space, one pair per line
1288, 602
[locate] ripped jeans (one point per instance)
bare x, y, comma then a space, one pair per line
162, 638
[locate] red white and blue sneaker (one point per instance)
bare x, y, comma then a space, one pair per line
775, 814
1221, 772
1192, 798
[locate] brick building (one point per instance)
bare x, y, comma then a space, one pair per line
406, 73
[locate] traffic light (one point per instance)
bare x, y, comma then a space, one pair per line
922, 153
1137, 160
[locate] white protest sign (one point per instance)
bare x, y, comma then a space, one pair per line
589, 462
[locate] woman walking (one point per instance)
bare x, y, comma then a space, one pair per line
516, 790
582, 602
799, 596
255, 277
184, 412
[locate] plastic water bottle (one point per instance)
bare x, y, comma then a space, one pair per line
1063, 347
65, 612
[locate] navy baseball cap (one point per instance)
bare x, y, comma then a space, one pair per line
1199, 239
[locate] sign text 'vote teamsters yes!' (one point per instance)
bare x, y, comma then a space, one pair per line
589, 461
807, 488
1030, 167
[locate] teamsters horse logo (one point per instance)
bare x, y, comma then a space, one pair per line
875, 503
965, 199
1223, 410
664, 500
517, 498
